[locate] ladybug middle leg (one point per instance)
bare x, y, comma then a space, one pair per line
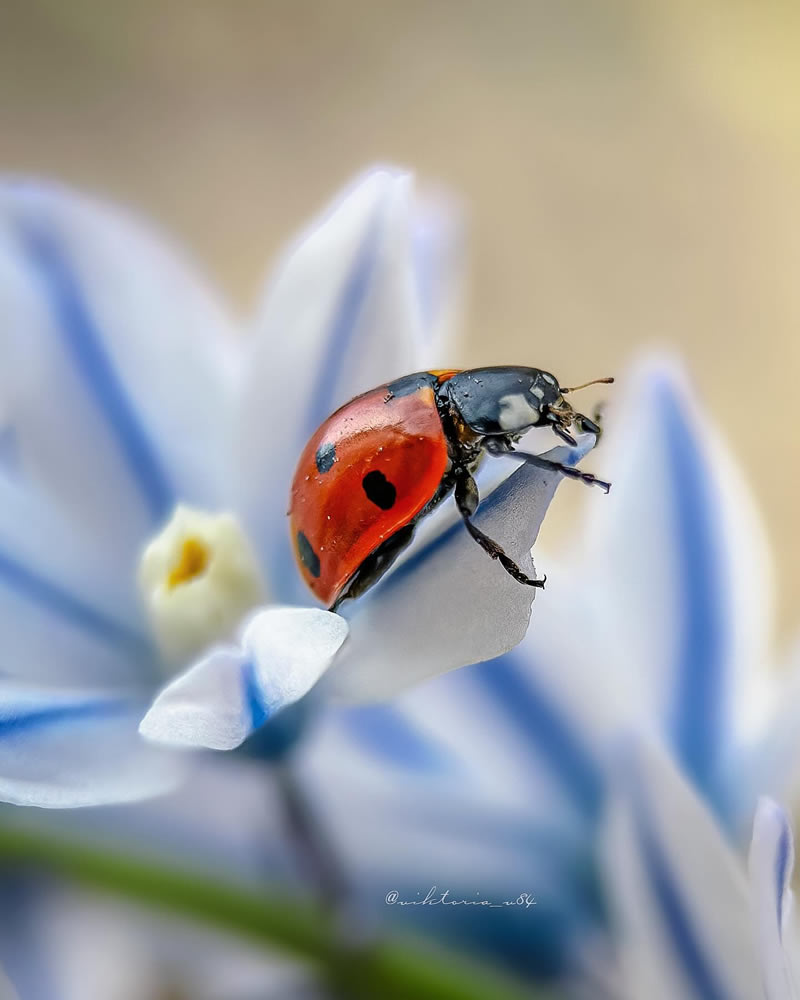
467, 499
497, 448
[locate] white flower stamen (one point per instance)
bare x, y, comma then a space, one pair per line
199, 578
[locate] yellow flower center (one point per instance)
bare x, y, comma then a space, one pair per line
193, 562
199, 578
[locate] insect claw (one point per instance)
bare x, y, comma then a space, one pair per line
565, 435
587, 425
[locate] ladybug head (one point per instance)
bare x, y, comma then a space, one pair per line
510, 400
563, 416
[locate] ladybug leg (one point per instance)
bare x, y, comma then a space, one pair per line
545, 463
467, 499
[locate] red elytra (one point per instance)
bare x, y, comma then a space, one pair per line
367, 472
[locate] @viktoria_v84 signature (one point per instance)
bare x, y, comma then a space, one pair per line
444, 897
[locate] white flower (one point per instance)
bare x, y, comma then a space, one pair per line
129, 402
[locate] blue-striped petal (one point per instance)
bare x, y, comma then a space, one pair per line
343, 314
657, 579
447, 604
66, 616
113, 363
230, 693
771, 866
678, 891
63, 749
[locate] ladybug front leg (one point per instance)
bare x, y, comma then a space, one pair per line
467, 499
502, 450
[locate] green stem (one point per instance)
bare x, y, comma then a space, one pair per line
391, 970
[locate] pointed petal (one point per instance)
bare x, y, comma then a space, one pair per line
447, 603
222, 699
660, 576
116, 356
208, 705
66, 749
348, 310
771, 865
679, 893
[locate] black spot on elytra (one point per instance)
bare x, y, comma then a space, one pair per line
408, 384
379, 490
325, 457
308, 557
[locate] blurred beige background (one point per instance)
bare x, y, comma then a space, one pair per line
632, 170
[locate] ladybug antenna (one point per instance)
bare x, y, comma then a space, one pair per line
595, 381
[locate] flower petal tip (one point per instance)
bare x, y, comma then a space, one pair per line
228, 694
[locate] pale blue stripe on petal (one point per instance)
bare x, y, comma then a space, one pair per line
771, 864
22, 720
675, 915
390, 735
84, 344
55, 600
255, 704
783, 858
698, 725
60, 749
541, 726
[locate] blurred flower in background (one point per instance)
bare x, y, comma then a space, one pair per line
690, 923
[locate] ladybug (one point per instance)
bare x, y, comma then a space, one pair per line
388, 457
